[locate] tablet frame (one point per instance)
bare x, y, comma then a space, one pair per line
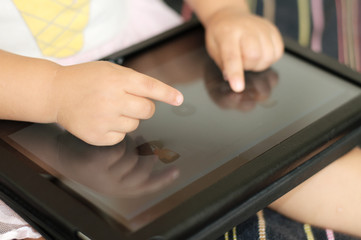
59, 215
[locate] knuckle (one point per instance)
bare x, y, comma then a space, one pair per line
100, 137
94, 137
252, 54
262, 66
113, 138
268, 60
109, 73
148, 109
133, 126
104, 67
129, 124
231, 56
226, 30
280, 52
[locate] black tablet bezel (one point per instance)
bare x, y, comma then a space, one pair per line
58, 215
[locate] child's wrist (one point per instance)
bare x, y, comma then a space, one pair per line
224, 12
206, 11
54, 98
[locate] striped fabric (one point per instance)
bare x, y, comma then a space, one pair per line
349, 38
269, 225
320, 23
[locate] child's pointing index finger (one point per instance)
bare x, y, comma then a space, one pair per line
149, 87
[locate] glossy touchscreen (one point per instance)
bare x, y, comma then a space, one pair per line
182, 150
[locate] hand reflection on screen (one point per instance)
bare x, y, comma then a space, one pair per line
258, 89
116, 171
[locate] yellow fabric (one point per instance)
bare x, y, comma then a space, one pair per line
252, 5
269, 10
57, 25
304, 19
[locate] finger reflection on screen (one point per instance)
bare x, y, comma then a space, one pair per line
258, 89
118, 170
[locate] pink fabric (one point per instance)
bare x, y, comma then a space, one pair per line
187, 12
12, 226
330, 235
340, 31
318, 25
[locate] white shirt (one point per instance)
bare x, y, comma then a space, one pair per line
92, 28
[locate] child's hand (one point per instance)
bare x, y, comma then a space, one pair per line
259, 86
238, 40
99, 102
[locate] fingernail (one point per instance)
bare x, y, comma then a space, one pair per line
237, 85
179, 99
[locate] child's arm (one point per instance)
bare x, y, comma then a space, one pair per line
99, 102
237, 39
330, 199
25, 87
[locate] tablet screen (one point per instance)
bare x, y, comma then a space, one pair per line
183, 150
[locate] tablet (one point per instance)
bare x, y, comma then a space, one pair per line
190, 171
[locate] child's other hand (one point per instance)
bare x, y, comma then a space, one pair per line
238, 40
99, 102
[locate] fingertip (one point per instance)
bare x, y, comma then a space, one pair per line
233, 73
179, 99
237, 84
